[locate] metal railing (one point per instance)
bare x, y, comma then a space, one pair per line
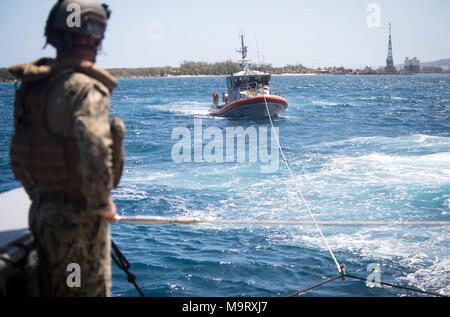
254, 89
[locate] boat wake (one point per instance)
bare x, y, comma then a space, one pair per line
185, 108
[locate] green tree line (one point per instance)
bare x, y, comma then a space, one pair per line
5, 75
224, 68
203, 68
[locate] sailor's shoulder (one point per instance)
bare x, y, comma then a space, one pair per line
77, 82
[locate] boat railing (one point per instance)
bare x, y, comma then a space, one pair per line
275, 89
254, 89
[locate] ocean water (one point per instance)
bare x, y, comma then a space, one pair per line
363, 148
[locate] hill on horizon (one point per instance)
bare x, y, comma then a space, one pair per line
438, 63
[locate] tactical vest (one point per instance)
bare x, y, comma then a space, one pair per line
39, 158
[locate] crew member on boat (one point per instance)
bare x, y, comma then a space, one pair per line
215, 97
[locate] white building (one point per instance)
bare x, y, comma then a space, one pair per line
412, 65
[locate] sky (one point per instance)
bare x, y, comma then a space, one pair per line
317, 33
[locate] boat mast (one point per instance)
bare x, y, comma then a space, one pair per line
244, 52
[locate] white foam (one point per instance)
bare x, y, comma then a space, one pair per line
324, 103
410, 142
128, 193
388, 169
434, 277
185, 108
141, 177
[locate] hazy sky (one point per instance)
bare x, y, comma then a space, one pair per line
145, 33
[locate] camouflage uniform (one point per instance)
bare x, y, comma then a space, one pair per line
67, 230
67, 233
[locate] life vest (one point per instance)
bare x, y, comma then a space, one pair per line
39, 158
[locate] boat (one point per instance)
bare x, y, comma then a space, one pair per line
249, 94
18, 257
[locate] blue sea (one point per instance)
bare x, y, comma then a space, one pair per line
363, 148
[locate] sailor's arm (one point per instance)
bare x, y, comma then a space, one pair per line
92, 131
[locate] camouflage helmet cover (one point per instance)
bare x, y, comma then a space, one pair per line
92, 20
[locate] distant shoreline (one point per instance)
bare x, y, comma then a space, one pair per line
186, 72
203, 76
192, 69
4, 80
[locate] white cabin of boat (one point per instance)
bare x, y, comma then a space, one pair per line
247, 83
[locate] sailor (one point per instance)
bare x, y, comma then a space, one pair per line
215, 98
225, 97
67, 154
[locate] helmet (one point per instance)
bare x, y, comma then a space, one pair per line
63, 22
